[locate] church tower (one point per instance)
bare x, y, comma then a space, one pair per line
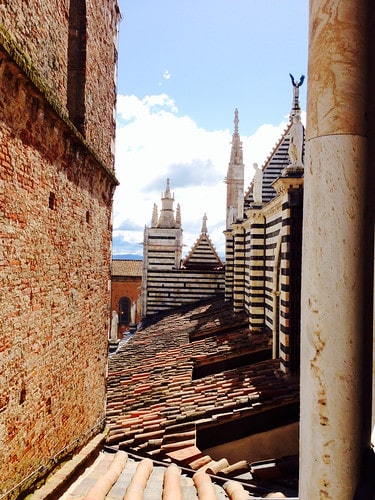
235, 178
235, 207
162, 242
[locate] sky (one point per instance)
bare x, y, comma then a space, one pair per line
184, 66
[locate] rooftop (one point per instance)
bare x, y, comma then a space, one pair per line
126, 267
179, 394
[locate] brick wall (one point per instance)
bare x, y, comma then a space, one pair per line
41, 30
55, 233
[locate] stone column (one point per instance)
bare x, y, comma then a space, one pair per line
332, 278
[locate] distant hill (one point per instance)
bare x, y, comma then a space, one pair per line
126, 256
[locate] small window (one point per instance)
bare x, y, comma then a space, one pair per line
52, 201
88, 218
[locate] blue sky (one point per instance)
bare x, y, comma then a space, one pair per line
184, 66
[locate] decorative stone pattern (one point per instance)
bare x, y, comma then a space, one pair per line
263, 259
229, 259
272, 168
238, 268
55, 210
169, 289
169, 281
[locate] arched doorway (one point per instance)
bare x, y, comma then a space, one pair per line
124, 311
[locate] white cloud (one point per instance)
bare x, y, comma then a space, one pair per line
166, 75
154, 143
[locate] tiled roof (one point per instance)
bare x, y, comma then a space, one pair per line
155, 406
158, 403
118, 477
126, 267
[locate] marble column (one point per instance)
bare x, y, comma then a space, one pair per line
332, 278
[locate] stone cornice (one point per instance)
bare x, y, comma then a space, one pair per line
283, 184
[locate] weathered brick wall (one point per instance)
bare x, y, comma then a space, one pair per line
41, 29
55, 232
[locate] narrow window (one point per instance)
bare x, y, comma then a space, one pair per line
52, 201
77, 63
22, 394
88, 218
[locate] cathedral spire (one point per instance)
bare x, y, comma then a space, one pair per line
236, 156
235, 176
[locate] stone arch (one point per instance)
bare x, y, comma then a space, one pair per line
124, 311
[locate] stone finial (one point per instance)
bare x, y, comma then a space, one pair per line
167, 193
236, 121
204, 224
114, 326
166, 217
178, 215
154, 220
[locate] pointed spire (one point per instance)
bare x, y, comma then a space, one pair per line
178, 215
236, 156
166, 218
167, 193
236, 120
204, 225
154, 220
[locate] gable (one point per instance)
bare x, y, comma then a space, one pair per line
203, 255
272, 169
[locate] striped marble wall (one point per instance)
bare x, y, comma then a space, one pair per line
173, 288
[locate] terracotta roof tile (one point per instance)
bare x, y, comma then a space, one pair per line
162, 406
126, 267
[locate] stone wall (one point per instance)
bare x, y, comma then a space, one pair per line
55, 234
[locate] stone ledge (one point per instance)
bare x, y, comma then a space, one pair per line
57, 483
